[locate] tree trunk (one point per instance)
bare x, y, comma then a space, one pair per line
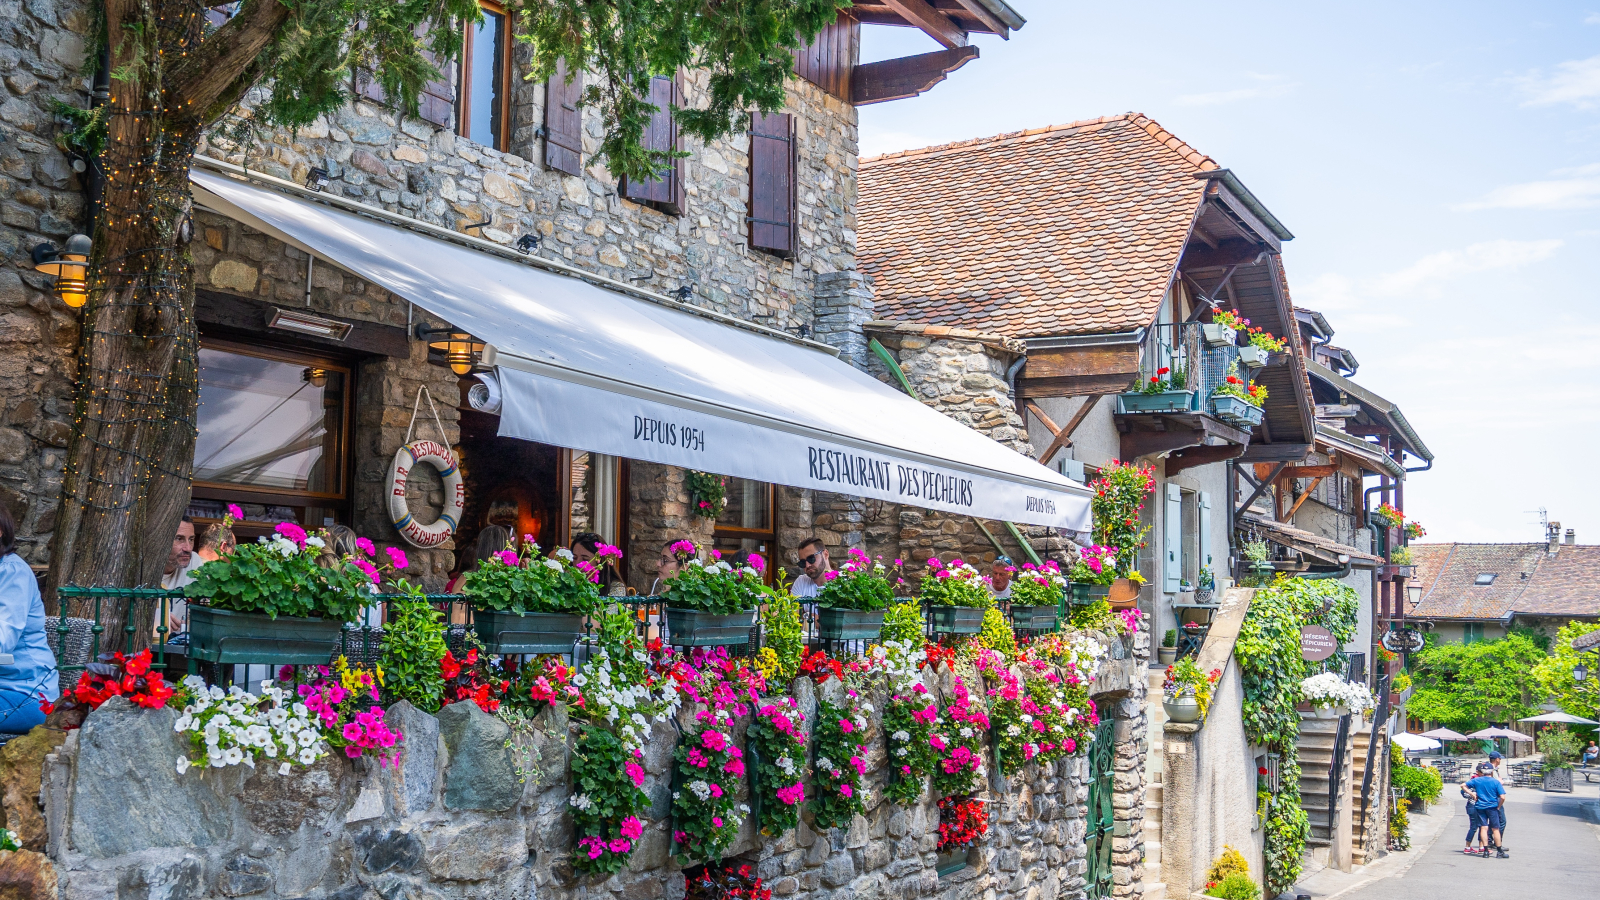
131, 452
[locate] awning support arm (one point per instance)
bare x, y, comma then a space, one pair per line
893, 365
1026, 547
1262, 487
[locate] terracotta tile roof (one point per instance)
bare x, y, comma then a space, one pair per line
1529, 581
1071, 229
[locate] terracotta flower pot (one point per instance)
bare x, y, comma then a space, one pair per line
1124, 594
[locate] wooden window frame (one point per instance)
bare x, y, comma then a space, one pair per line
464, 83
676, 179
792, 226
337, 500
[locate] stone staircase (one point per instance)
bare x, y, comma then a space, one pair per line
1154, 888
1316, 742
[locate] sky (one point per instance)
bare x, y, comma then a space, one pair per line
1439, 165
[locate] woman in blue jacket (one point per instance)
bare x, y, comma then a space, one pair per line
31, 674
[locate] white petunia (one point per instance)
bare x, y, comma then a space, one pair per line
564, 553
283, 768
183, 764
308, 756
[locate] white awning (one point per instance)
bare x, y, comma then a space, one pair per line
583, 366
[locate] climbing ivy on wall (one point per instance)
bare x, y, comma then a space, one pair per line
1268, 651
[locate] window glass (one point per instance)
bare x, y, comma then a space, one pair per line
749, 505
269, 424
484, 125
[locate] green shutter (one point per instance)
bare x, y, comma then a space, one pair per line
1205, 533
1172, 531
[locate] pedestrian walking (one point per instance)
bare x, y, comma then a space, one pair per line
1475, 830
1491, 798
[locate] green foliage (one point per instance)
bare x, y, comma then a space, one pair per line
1097, 616
1036, 587
959, 585
1402, 556
911, 758
903, 622
1400, 826
1554, 674
531, 584
784, 635
412, 647
1170, 639
718, 589
1420, 782
836, 796
996, 633
86, 136
743, 46
860, 584
1185, 677
778, 737
279, 578
1231, 862
1400, 682
1560, 747
1467, 686
1119, 494
1236, 886
1537, 636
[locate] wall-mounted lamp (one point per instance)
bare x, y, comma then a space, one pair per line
461, 350
314, 376
317, 179
69, 267
1580, 672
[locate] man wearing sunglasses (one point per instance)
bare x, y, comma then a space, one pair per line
814, 560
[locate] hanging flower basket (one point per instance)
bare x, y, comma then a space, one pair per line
225, 636
693, 628
848, 624
506, 632
1218, 335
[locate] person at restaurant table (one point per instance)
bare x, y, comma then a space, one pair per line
585, 547
1591, 754
814, 565
181, 560
491, 540
1000, 573
31, 675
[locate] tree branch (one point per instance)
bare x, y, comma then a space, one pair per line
230, 52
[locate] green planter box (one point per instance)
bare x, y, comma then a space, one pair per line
1236, 412
225, 636
848, 624
693, 628
1166, 401
506, 632
1089, 594
956, 619
1034, 618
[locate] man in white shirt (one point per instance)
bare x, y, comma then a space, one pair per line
1000, 578
181, 563
814, 561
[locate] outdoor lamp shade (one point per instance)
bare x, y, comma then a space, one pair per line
1580, 672
69, 268
460, 351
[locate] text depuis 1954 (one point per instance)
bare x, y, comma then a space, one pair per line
672, 434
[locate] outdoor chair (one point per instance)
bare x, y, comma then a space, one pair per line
79, 639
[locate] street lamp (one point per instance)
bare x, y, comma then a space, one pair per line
69, 267
1580, 672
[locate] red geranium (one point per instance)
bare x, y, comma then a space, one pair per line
962, 820
467, 679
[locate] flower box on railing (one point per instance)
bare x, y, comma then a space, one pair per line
956, 619
1034, 618
1088, 594
1235, 411
1165, 401
848, 624
1391, 572
225, 636
693, 628
1253, 357
1218, 335
507, 633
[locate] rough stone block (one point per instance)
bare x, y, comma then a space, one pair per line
474, 851
481, 773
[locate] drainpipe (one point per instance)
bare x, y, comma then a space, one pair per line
1011, 377
1421, 468
94, 182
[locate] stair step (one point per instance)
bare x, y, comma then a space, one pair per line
1153, 793
1155, 890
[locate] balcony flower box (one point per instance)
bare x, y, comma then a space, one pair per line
1034, 618
225, 636
1235, 411
506, 632
848, 624
1165, 401
694, 628
1083, 594
1218, 335
1253, 357
956, 619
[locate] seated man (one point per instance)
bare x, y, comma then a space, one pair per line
1591, 754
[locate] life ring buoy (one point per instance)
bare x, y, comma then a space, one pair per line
455, 496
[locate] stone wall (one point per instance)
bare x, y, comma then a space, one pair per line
41, 199
452, 820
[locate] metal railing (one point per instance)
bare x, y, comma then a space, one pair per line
1180, 347
1341, 743
1380, 718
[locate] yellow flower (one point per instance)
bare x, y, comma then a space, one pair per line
767, 662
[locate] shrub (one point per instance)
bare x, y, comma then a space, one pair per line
1235, 887
413, 645
1559, 746
1170, 639
996, 633
903, 622
1094, 617
1229, 863
1420, 782
785, 636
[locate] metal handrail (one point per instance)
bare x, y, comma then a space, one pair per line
1341, 742
1379, 717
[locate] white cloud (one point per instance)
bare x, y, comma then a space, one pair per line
1576, 82
1268, 87
1579, 190
1426, 275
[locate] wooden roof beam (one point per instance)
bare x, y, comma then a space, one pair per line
908, 76
937, 25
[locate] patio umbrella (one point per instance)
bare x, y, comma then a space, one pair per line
1415, 743
1497, 732
1560, 717
1444, 734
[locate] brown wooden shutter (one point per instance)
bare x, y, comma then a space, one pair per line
772, 182
666, 192
436, 103
563, 121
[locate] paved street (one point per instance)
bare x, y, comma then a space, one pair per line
1555, 852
